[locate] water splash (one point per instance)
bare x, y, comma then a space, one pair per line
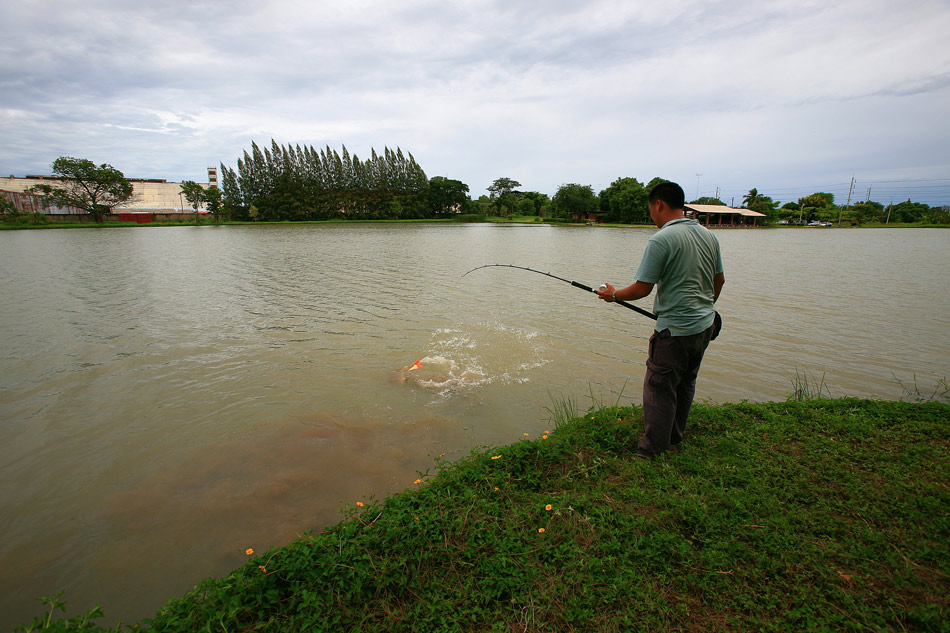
462, 360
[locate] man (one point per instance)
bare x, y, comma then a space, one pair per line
683, 260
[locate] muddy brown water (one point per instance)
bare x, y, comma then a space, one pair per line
172, 396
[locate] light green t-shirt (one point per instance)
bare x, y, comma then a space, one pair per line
681, 259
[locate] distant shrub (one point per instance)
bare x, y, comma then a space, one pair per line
25, 218
471, 217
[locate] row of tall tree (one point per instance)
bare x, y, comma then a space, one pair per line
302, 183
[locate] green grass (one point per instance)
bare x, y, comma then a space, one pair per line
813, 515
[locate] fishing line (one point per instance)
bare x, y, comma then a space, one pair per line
573, 283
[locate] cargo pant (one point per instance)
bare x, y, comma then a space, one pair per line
669, 385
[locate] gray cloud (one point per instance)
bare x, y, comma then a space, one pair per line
778, 94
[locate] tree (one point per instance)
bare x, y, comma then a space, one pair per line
194, 194
446, 195
95, 190
303, 183
814, 205
502, 186
939, 215
750, 198
233, 205
212, 197
708, 200
6, 205
909, 211
573, 200
538, 201
503, 194
625, 200
764, 204
525, 206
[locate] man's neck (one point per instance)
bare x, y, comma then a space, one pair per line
673, 216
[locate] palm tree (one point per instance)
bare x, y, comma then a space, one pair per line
750, 197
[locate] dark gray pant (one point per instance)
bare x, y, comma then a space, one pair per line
668, 387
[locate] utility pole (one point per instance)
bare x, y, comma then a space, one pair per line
698, 176
717, 192
840, 210
868, 199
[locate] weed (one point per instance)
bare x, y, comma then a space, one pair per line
940, 392
562, 411
79, 623
808, 388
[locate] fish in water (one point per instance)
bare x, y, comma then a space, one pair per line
435, 374
400, 375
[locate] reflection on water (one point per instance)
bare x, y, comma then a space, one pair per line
173, 396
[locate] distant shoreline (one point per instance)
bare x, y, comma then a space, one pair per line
188, 220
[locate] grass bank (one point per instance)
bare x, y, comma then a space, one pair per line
796, 516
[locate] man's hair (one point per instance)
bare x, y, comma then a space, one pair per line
670, 193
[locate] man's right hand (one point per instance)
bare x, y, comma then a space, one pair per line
607, 294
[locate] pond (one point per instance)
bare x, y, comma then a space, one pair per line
173, 396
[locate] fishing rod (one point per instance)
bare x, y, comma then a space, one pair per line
573, 283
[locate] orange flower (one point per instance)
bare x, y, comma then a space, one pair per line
263, 569
544, 437
540, 530
249, 551
417, 481
359, 504
548, 507
497, 457
526, 435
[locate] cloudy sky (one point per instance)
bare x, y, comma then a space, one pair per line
788, 96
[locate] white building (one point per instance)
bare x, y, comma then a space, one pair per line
148, 195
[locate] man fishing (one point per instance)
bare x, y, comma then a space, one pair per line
684, 261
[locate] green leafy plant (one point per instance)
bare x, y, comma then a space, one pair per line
79, 623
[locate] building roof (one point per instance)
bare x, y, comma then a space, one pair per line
721, 209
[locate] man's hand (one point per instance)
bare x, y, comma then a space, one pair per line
608, 294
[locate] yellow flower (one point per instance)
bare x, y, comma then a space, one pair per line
540, 530
497, 457
249, 551
263, 569
359, 504
548, 507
